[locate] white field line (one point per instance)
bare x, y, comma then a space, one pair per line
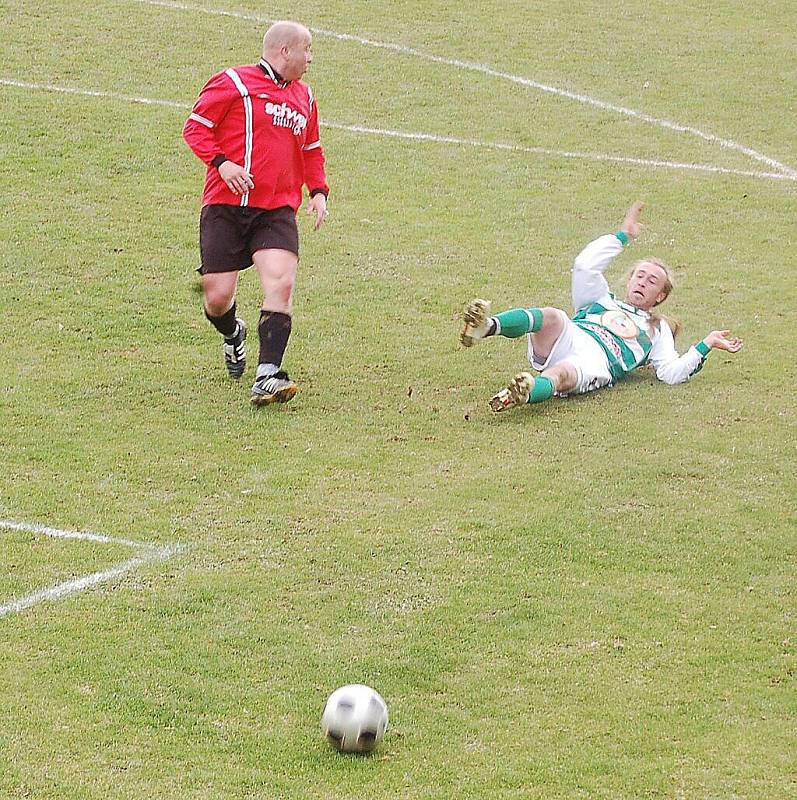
146, 552
429, 137
645, 162
58, 533
485, 70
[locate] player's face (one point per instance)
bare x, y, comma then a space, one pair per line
646, 286
298, 58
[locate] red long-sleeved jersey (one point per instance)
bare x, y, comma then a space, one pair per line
270, 127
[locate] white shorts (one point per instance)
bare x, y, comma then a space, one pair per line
579, 349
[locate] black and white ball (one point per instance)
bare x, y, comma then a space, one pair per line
354, 718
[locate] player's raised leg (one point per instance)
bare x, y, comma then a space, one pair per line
513, 323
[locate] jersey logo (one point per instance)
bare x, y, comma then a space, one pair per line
605, 336
620, 324
283, 116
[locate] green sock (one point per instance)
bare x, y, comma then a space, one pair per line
518, 321
541, 390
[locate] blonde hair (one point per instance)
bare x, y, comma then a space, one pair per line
669, 285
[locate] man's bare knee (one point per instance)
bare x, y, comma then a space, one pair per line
217, 303
552, 322
279, 295
277, 271
283, 289
218, 292
543, 340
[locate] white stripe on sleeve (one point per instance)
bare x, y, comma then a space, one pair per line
202, 120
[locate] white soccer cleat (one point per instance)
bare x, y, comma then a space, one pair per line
476, 321
516, 393
276, 388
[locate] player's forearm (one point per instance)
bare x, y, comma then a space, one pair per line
588, 281
201, 127
201, 140
315, 171
682, 368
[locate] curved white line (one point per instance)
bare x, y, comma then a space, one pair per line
430, 137
646, 162
485, 70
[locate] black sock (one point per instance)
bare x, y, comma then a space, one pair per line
226, 323
274, 329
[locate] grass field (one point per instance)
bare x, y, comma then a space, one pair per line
589, 599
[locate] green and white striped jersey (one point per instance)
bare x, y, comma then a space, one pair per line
622, 330
627, 334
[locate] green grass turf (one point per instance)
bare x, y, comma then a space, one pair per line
593, 598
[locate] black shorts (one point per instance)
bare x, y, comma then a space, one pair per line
228, 235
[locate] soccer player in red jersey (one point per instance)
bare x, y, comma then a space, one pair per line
256, 128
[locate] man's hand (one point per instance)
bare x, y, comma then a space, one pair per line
631, 226
722, 340
318, 207
238, 180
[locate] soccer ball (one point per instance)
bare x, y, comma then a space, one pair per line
354, 719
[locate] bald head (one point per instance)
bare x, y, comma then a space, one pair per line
287, 47
283, 33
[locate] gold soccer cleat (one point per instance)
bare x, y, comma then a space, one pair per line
515, 394
476, 320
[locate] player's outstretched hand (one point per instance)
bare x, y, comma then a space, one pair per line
722, 340
631, 226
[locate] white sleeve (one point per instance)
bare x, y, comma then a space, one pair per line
589, 284
668, 365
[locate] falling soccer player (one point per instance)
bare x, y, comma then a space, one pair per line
606, 339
